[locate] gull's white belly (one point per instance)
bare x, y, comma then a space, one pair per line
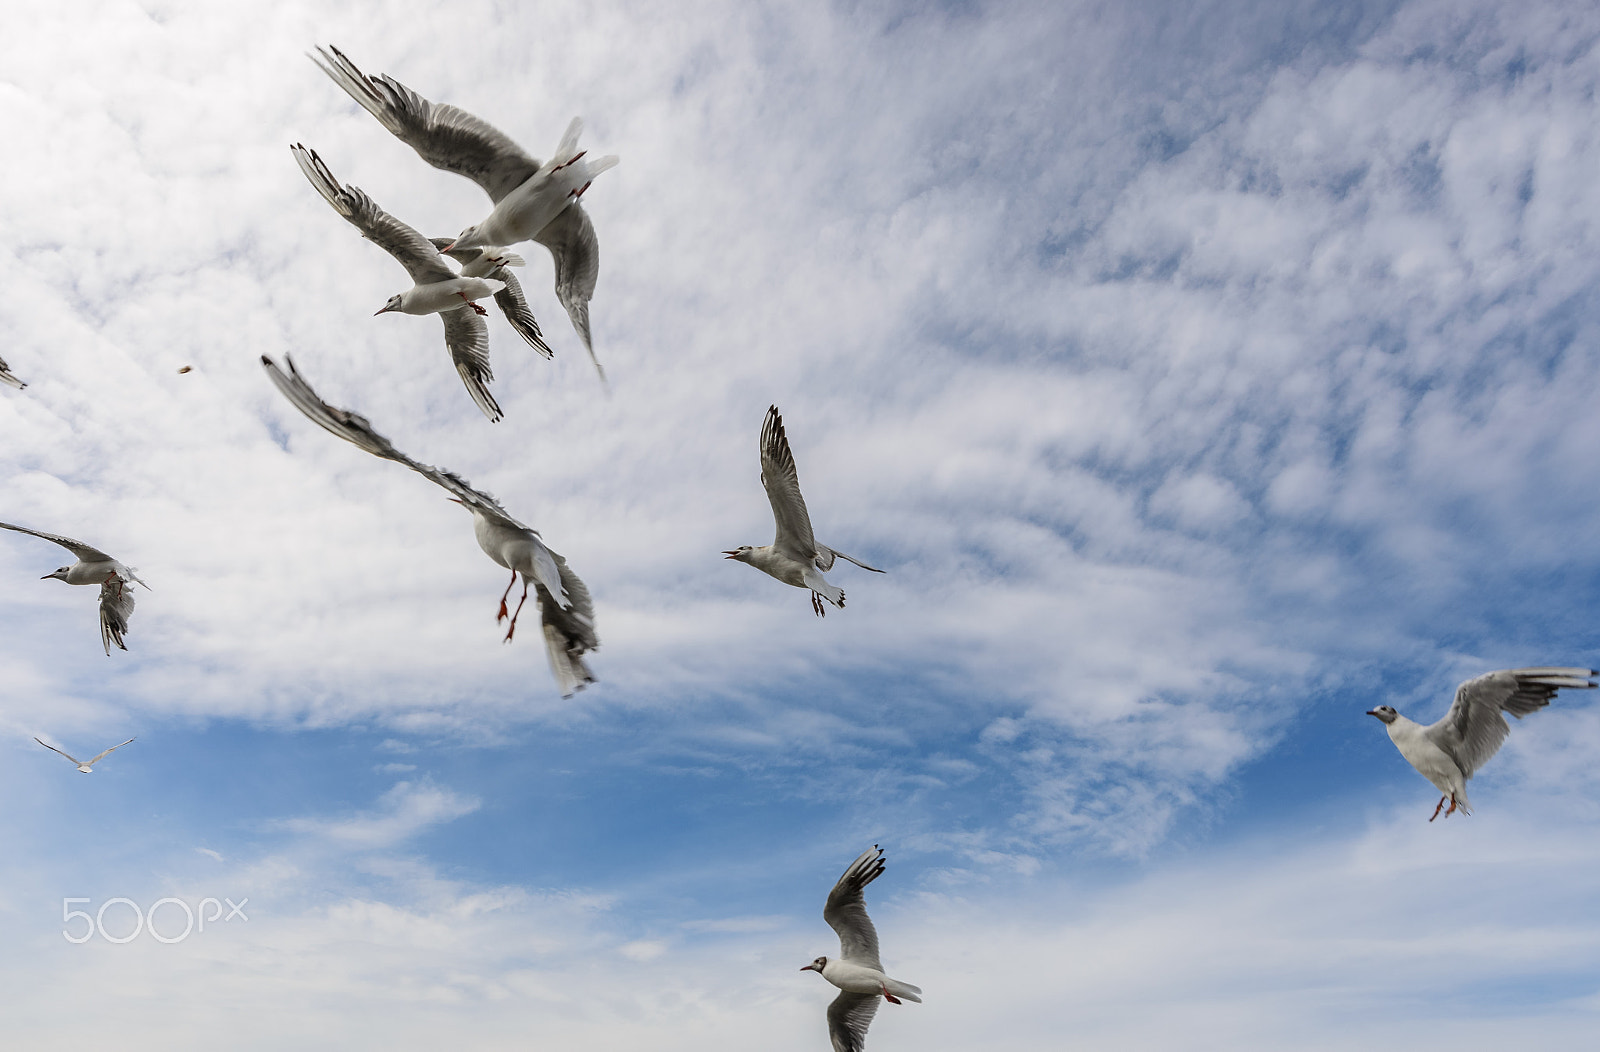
855, 978
446, 295
92, 573
1432, 762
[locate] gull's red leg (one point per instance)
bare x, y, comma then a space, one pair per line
469, 303
504, 613
1452, 810
1436, 810
891, 998
514, 616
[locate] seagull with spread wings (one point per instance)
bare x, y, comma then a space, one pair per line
495, 262
794, 557
436, 288
565, 607
857, 972
83, 765
96, 567
1449, 752
8, 377
531, 200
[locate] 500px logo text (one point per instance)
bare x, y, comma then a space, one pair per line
142, 919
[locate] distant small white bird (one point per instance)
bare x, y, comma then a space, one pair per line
83, 765
436, 290
565, 607
531, 200
96, 567
857, 972
794, 556
1447, 753
7, 377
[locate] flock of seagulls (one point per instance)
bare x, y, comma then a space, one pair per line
541, 201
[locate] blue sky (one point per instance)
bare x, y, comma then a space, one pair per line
1201, 376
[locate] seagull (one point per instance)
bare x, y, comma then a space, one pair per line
494, 262
1447, 753
437, 289
531, 200
7, 377
794, 556
857, 972
96, 567
566, 609
83, 765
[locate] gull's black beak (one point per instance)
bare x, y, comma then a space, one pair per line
1372, 712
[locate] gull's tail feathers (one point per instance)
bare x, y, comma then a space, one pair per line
905, 990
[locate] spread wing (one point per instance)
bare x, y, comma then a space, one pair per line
778, 475
354, 428
846, 911
413, 251
7, 377
467, 337
514, 305
571, 241
53, 749
1474, 729
102, 756
826, 555
78, 548
116, 606
848, 1018
568, 633
444, 136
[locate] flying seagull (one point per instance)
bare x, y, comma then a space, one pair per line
495, 262
531, 200
96, 567
7, 377
857, 972
437, 289
83, 765
794, 556
1447, 753
566, 610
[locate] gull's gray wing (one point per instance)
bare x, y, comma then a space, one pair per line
778, 475
8, 377
846, 911
413, 251
355, 429
568, 633
443, 135
467, 337
53, 749
514, 305
571, 241
1473, 729
826, 555
848, 1018
102, 756
78, 548
116, 606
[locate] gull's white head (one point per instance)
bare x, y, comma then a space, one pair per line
470, 238
1385, 713
393, 304
740, 554
816, 965
60, 575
